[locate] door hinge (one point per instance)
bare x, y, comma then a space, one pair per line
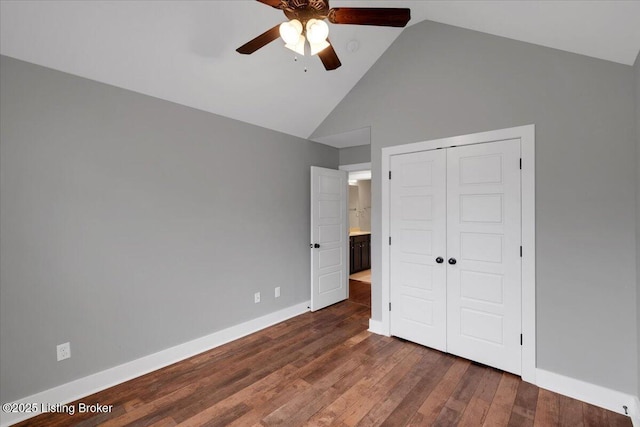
389, 174
389, 306
520, 163
389, 240
520, 339
520, 251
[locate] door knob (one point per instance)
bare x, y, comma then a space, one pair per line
316, 245
452, 261
439, 260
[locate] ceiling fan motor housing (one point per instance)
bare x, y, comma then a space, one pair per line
304, 10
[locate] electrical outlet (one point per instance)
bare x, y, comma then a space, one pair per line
278, 292
63, 351
256, 297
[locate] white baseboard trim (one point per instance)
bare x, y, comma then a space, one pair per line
603, 397
377, 327
634, 412
88, 385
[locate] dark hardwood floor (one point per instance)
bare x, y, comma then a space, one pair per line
322, 369
360, 292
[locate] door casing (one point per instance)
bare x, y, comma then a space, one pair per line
526, 134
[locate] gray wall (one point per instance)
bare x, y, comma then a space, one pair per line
438, 81
364, 202
354, 204
130, 224
355, 155
360, 205
637, 73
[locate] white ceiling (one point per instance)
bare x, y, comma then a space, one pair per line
184, 51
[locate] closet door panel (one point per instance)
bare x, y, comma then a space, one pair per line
418, 233
483, 237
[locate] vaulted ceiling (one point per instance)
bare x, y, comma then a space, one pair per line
184, 51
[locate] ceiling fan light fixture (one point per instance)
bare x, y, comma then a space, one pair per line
297, 46
318, 47
291, 31
317, 31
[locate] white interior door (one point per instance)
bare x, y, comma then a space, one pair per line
484, 238
329, 237
418, 232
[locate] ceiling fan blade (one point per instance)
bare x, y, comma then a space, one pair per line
260, 41
329, 58
387, 17
273, 3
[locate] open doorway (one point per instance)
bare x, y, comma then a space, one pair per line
359, 210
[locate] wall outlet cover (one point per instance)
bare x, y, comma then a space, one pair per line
256, 297
63, 351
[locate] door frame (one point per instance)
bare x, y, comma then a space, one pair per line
526, 134
353, 167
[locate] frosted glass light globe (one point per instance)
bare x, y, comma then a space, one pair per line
298, 46
291, 31
318, 47
317, 31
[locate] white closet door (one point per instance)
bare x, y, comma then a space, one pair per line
484, 238
418, 233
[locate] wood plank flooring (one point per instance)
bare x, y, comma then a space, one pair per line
325, 369
360, 292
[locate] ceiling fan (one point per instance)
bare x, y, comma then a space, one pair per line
307, 23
